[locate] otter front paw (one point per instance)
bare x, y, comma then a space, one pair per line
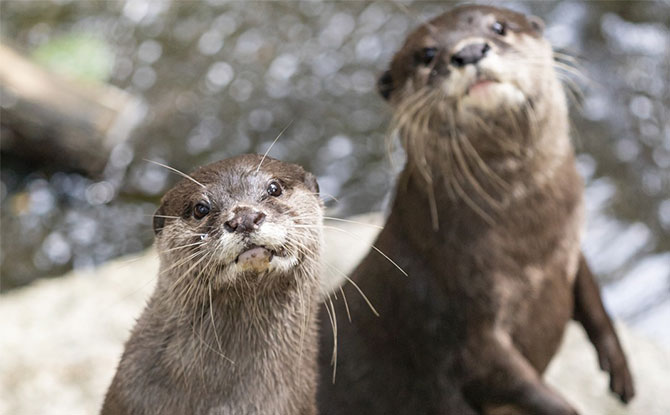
612, 360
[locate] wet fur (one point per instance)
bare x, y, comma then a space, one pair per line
212, 340
486, 221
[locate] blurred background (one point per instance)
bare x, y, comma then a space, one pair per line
89, 90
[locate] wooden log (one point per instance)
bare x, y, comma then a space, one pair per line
50, 120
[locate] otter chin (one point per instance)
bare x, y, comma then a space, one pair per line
486, 221
239, 243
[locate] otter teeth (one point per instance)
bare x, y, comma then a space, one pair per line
256, 258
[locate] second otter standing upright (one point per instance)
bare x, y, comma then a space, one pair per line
486, 221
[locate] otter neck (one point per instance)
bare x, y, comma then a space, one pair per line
241, 313
454, 173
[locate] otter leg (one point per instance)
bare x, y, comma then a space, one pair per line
590, 312
499, 380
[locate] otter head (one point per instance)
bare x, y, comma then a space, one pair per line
478, 71
239, 219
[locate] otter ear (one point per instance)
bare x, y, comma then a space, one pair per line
159, 220
536, 23
310, 181
385, 85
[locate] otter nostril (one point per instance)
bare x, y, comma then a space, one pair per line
470, 54
250, 221
259, 219
245, 221
231, 225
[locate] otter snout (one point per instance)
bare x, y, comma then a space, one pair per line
470, 54
246, 220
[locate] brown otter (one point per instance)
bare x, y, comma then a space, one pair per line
231, 325
486, 222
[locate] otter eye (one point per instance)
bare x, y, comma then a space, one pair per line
200, 210
427, 55
499, 28
274, 189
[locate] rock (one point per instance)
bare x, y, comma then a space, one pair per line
61, 338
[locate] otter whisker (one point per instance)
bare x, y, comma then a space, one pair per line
432, 204
409, 109
333, 325
504, 143
211, 315
177, 265
424, 113
566, 56
448, 160
470, 177
517, 130
217, 248
176, 248
353, 221
162, 216
272, 145
571, 70
483, 166
199, 335
324, 195
305, 319
533, 121
365, 297
189, 283
180, 262
372, 246
466, 198
182, 289
346, 304
195, 319
177, 171
184, 297
203, 342
573, 91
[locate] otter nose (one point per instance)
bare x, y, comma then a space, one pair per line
470, 54
245, 221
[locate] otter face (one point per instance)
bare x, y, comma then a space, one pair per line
470, 63
240, 220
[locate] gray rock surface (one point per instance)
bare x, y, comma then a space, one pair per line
61, 339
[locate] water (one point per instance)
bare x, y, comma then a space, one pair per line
224, 78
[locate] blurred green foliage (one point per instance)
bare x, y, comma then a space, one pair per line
79, 56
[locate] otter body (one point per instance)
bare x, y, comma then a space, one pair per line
486, 222
230, 328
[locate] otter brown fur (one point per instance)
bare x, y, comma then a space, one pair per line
486, 221
231, 325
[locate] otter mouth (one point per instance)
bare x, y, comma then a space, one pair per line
480, 84
486, 92
257, 257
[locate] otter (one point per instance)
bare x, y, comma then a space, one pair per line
486, 222
231, 325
